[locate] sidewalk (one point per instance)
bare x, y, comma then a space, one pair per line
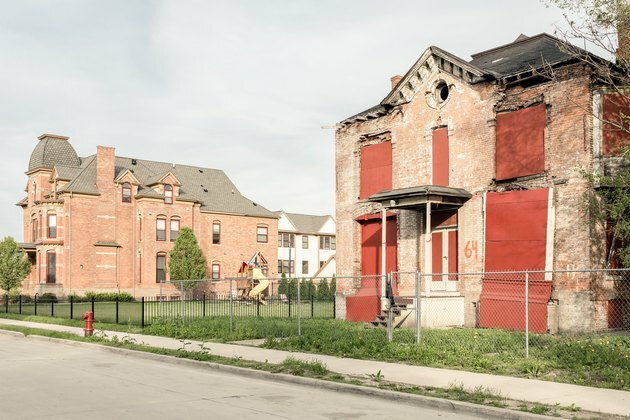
602, 400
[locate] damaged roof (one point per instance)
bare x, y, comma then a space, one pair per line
499, 63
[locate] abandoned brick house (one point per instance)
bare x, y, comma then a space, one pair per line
107, 223
477, 166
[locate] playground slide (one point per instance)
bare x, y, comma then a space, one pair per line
256, 292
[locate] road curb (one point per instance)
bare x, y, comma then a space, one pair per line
457, 407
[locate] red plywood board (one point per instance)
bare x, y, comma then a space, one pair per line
516, 230
440, 159
502, 304
520, 142
362, 308
614, 128
376, 169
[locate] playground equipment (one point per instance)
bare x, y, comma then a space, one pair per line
263, 283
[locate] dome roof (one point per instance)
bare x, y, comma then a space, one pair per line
53, 150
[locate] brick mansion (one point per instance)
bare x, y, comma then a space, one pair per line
105, 222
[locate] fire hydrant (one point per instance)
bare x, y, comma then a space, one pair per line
89, 319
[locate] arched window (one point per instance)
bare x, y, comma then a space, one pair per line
160, 228
35, 228
174, 225
51, 267
160, 267
216, 232
168, 194
126, 192
52, 225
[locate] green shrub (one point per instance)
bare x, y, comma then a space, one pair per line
47, 297
108, 296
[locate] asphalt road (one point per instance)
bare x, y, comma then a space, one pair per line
43, 380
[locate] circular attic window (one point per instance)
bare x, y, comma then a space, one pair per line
441, 92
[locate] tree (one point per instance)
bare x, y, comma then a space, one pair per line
605, 25
14, 265
283, 287
323, 291
333, 286
292, 289
186, 261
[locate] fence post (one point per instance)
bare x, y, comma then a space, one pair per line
418, 306
116, 309
142, 312
390, 319
52, 307
527, 314
312, 307
203, 306
35, 303
92, 306
6, 303
335, 306
231, 309
20, 300
299, 310
71, 307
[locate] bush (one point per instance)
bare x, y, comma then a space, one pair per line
47, 297
108, 296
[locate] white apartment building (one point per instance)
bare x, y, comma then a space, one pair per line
306, 245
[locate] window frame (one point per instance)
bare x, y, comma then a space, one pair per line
158, 269
51, 278
216, 233
304, 241
35, 228
168, 198
304, 266
264, 236
170, 228
51, 229
157, 229
215, 275
126, 187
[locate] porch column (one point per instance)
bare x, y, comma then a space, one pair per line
428, 249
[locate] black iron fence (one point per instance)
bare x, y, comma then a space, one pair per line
147, 310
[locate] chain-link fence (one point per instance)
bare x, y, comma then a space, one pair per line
498, 312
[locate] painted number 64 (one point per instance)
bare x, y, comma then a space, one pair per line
470, 249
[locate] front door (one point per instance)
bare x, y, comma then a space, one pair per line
444, 250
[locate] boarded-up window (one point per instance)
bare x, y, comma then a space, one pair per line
615, 127
516, 230
440, 159
520, 142
376, 168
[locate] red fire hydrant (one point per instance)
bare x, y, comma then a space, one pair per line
89, 319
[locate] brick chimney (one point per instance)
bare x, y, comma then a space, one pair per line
105, 159
623, 34
395, 80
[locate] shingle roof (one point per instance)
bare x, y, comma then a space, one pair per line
209, 187
307, 223
526, 53
53, 150
67, 173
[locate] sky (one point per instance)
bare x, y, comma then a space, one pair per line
242, 86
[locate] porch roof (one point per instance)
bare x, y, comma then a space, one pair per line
411, 197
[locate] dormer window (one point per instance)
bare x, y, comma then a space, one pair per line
126, 192
168, 194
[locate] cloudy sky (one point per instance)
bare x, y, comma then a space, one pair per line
244, 86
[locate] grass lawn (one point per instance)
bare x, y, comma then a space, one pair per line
591, 360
